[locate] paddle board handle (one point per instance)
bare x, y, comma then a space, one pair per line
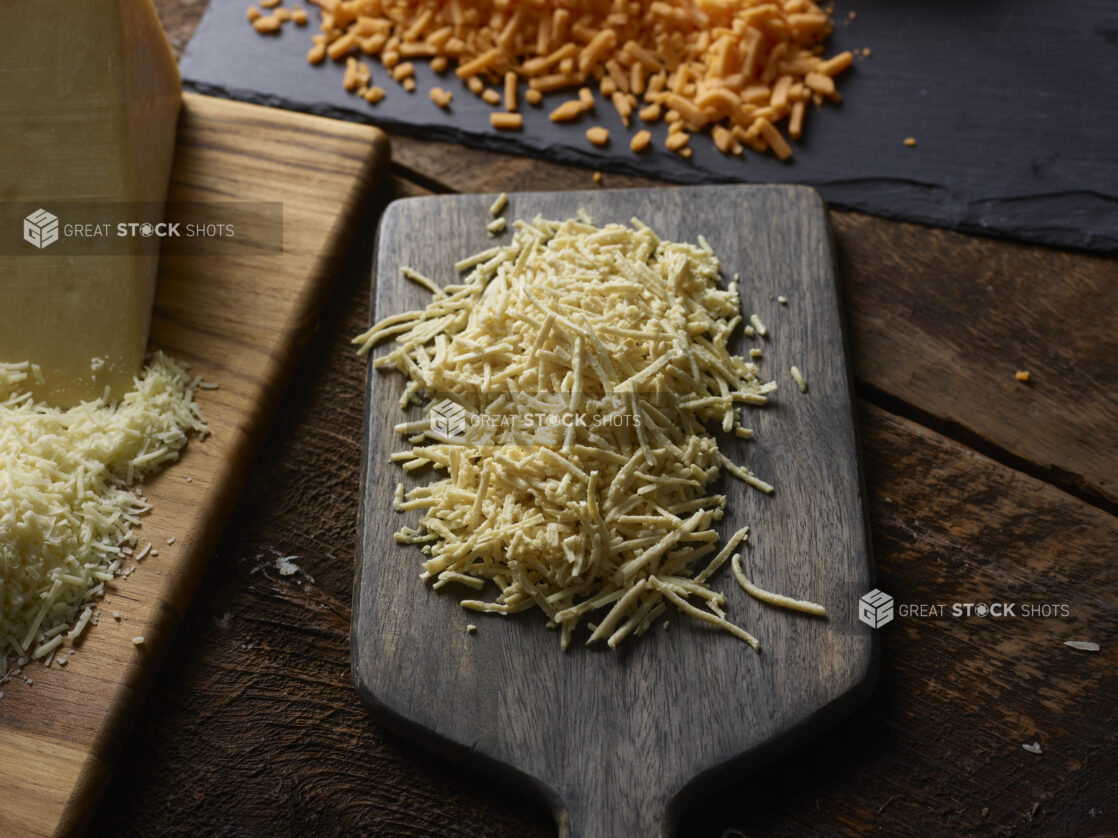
613, 815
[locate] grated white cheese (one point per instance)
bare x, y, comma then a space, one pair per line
499, 204
1082, 645
574, 372
66, 510
798, 377
286, 566
773, 599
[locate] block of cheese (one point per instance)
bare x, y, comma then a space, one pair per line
91, 97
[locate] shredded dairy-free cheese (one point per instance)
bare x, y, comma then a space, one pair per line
1082, 645
568, 383
66, 512
798, 377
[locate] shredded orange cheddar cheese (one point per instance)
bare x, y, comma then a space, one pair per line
748, 67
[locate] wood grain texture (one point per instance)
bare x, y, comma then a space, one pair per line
616, 742
943, 319
240, 321
253, 727
936, 751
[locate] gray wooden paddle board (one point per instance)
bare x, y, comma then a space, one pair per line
617, 742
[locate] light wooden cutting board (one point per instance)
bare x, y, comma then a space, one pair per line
617, 742
240, 320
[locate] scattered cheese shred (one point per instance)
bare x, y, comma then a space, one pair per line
1082, 645
499, 204
66, 512
568, 381
771, 598
798, 377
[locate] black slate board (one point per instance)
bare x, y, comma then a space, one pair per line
1011, 103
616, 743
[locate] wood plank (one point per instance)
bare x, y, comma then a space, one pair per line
941, 320
584, 725
937, 749
945, 320
240, 320
254, 727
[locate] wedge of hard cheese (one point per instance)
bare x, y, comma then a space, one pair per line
90, 101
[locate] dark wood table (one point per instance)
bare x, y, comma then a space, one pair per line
981, 489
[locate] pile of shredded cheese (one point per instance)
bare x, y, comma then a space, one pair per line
66, 509
569, 380
737, 69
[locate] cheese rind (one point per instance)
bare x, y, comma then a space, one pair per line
91, 101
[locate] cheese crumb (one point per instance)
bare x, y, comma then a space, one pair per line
798, 377
598, 136
1082, 645
1022, 375
286, 566
499, 204
1034, 748
138, 641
